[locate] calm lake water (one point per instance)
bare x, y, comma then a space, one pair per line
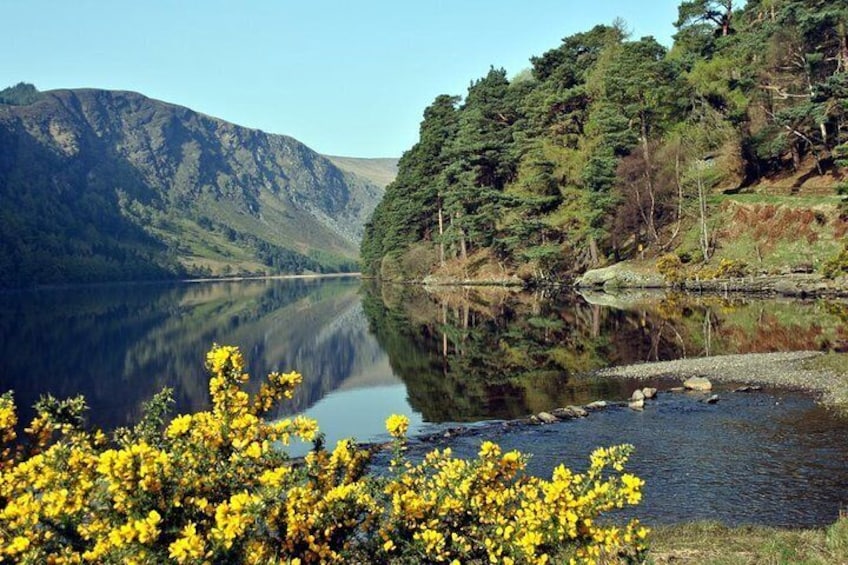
467, 356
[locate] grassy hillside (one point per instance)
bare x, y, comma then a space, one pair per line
380, 171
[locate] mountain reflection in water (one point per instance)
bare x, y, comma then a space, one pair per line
120, 344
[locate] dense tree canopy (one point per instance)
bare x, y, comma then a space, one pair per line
610, 142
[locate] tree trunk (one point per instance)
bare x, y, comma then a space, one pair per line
725, 24
463, 247
441, 237
593, 251
702, 209
649, 181
796, 156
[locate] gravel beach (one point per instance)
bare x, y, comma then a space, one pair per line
794, 370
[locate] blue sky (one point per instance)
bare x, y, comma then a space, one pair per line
345, 77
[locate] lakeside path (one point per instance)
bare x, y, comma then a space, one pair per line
810, 371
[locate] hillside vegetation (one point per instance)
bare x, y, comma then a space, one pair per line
100, 185
728, 146
379, 171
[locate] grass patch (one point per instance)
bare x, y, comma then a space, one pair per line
773, 233
709, 543
805, 201
380, 171
836, 363
836, 366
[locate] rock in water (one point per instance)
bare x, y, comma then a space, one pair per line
638, 405
570, 412
712, 400
649, 392
637, 395
698, 383
596, 405
546, 417
753, 388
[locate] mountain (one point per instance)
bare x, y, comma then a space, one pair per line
379, 171
100, 185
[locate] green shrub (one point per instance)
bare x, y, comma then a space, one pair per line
836, 265
670, 266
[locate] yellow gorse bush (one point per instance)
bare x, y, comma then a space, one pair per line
218, 487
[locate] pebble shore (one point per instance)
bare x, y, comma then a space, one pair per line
791, 370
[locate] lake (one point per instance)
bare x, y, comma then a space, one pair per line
471, 356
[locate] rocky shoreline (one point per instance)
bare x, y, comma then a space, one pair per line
792, 370
797, 285
788, 370
620, 277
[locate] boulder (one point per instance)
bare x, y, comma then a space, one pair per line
712, 400
638, 405
649, 392
698, 383
546, 417
570, 412
621, 275
596, 405
637, 395
579, 411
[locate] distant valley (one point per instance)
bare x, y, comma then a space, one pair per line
100, 185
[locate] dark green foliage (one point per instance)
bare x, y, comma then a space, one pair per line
22, 94
409, 209
614, 142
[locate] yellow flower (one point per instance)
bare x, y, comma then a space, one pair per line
18, 545
148, 529
178, 426
254, 450
222, 469
397, 425
188, 546
274, 477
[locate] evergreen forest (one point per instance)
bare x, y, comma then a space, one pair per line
611, 147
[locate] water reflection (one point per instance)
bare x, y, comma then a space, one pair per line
120, 344
472, 354
461, 355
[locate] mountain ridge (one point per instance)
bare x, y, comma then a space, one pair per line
100, 185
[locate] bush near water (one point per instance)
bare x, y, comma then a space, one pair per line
219, 487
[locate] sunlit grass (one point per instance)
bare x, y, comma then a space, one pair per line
710, 543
